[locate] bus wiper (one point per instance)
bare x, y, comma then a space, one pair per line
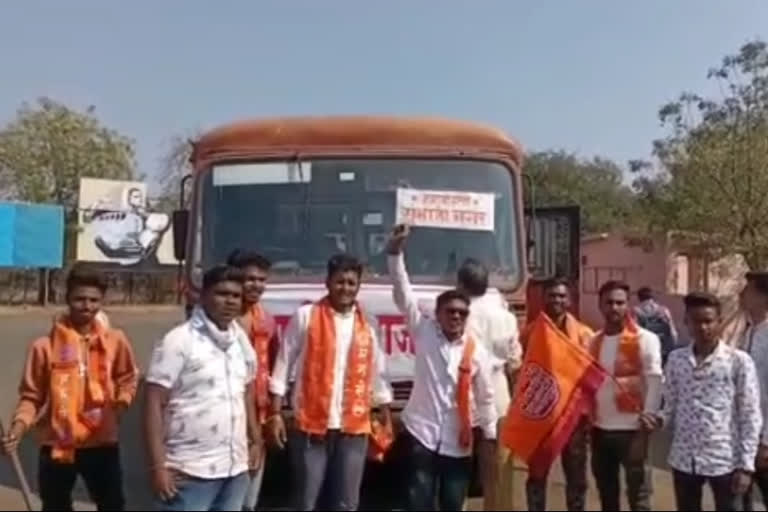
453, 264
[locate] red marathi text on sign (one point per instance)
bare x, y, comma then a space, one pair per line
445, 216
446, 199
395, 334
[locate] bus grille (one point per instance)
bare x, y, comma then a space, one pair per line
402, 390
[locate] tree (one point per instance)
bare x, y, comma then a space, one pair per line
711, 187
45, 151
175, 164
561, 179
7, 190
48, 147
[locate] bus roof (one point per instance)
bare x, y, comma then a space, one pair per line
326, 134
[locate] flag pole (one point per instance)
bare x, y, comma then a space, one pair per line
21, 478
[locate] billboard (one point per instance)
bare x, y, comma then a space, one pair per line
31, 235
117, 226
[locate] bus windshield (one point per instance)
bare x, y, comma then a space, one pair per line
298, 214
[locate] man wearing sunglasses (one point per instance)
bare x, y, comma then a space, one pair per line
452, 391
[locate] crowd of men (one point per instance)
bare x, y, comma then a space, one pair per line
214, 395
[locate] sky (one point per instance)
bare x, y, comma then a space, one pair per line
586, 76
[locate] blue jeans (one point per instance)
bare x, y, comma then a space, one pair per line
335, 462
254, 487
208, 495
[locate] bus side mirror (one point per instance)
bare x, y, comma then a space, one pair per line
180, 227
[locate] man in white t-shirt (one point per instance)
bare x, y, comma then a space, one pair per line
632, 356
201, 427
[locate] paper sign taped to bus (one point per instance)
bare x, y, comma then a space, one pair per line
445, 209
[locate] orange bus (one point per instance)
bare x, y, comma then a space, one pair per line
301, 189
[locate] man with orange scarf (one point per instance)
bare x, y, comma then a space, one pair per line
632, 356
261, 330
87, 375
339, 369
557, 301
453, 392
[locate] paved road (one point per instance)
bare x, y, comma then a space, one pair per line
144, 326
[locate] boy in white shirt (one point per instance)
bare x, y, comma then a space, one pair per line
754, 302
712, 403
200, 420
632, 356
339, 368
452, 392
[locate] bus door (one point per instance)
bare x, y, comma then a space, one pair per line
554, 251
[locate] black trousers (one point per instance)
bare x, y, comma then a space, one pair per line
100, 469
574, 462
688, 490
611, 449
760, 481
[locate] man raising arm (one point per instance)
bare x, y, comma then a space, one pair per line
453, 392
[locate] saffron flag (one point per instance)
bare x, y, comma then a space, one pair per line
555, 388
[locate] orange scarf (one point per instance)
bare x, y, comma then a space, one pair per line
77, 400
463, 394
628, 369
260, 335
380, 441
318, 375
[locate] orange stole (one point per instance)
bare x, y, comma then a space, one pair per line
628, 369
260, 335
556, 386
463, 395
318, 375
380, 441
77, 401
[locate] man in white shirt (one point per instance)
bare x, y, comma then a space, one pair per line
712, 402
339, 369
632, 356
754, 301
200, 422
493, 325
452, 392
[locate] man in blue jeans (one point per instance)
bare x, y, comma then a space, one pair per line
453, 392
202, 431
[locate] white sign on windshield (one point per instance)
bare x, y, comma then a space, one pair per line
265, 173
472, 211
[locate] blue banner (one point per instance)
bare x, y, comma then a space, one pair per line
31, 235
